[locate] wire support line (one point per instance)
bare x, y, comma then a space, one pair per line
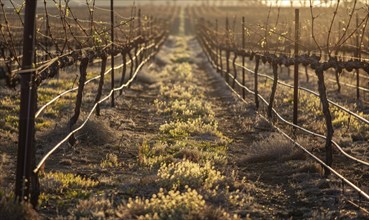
88, 81
357, 116
296, 126
45, 64
91, 112
340, 176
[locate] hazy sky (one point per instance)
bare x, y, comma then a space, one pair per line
188, 2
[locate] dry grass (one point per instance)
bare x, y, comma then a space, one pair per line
311, 167
95, 208
171, 205
185, 173
273, 148
10, 210
3, 160
111, 160
97, 132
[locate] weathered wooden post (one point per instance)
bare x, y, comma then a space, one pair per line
256, 81
217, 42
140, 33
296, 68
358, 55
227, 51
234, 69
243, 58
112, 50
26, 185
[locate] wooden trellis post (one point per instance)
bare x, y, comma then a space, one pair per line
256, 81
216, 48
227, 51
358, 54
296, 68
112, 49
26, 185
243, 58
